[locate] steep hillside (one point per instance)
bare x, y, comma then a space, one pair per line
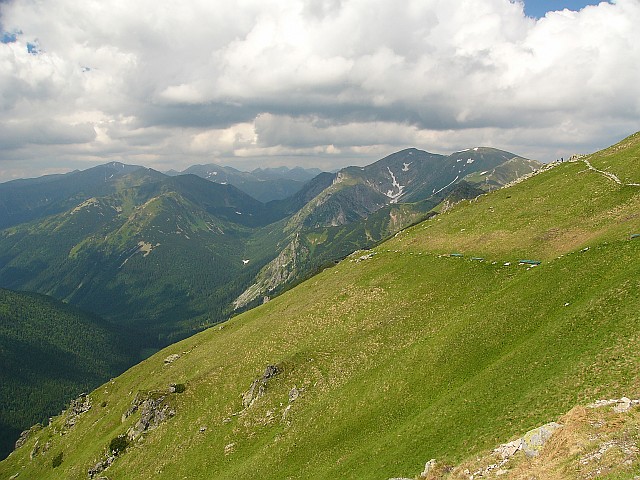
439, 343
50, 351
364, 205
163, 254
312, 248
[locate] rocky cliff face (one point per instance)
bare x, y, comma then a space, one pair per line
279, 271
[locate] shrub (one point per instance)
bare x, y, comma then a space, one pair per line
57, 460
180, 387
118, 444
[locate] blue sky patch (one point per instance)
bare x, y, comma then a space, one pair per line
10, 37
33, 48
538, 8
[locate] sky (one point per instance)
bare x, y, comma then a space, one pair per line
316, 83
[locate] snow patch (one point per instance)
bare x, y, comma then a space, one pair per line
405, 166
470, 160
475, 149
447, 185
244, 262
394, 196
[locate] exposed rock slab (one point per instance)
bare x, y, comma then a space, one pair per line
259, 386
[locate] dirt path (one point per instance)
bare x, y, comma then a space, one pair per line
608, 174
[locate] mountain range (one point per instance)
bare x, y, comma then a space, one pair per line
170, 254
263, 184
155, 257
456, 334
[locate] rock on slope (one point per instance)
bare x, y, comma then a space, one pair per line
599, 440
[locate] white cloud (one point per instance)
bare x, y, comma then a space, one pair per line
332, 81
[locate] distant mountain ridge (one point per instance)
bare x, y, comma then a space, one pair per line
263, 184
104, 233
28, 199
339, 218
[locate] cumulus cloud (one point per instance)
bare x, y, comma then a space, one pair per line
325, 82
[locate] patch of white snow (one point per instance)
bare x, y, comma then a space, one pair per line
394, 196
449, 184
405, 166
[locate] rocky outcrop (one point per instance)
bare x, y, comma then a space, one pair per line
171, 358
25, 435
279, 271
428, 467
534, 440
77, 407
530, 443
294, 394
153, 411
362, 258
101, 466
620, 405
259, 386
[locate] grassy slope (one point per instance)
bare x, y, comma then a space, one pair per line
405, 356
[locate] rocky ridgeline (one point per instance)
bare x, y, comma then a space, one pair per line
546, 167
531, 445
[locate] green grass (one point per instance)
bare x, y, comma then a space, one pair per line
403, 357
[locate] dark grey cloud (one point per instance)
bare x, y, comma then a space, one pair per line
21, 134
